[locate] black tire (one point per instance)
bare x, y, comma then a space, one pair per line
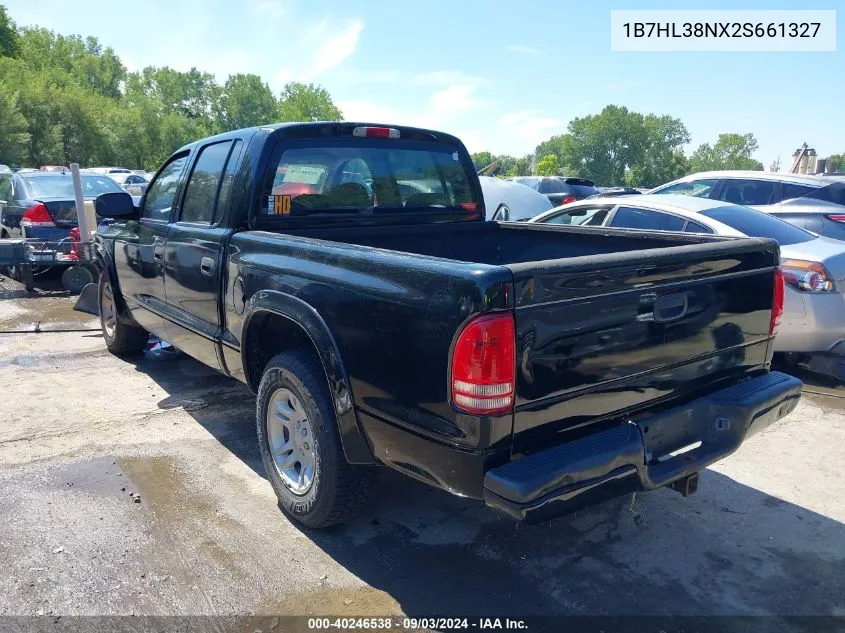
121, 339
75, 278
338, 489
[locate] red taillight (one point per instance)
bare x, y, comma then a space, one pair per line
468, 206
777, 303
837, 218
375, 132
75, 246
568, 199
37, 216
483, 365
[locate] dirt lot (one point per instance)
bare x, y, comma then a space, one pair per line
83, 433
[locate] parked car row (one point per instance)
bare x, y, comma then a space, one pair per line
804, 214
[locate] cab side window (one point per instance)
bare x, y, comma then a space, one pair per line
162, 192
201, 190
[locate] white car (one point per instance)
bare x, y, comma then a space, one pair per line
813, 324
506, 200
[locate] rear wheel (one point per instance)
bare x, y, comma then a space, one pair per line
300, 444
120, 338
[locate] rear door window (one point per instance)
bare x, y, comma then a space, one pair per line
791, 190
634, 218
347, 177
591, 216
749, 192
201, 190
695, 227
695, 188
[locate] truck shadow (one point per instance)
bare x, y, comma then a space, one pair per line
730, 549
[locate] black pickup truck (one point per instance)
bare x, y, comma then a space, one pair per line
345, 272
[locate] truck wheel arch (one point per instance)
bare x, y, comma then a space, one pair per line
288, 323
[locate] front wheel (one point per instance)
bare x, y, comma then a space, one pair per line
300, 444
120, 338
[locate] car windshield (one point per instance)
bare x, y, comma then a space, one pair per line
61, 186
758, 224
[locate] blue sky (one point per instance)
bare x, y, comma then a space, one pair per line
502, 76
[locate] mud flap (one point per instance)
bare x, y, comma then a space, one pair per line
89, 300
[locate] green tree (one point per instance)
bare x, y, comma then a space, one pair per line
481, 159
301, 102
836, 162
246, 101
9, 39
731, 151
618, 146
71, 60
521, 166
548, 165
14, 139
663, 158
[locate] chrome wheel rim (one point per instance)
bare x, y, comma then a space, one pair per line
107, 310
291, 440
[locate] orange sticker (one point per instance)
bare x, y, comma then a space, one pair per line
281, 205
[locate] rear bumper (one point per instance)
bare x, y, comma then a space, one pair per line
636, 455
811, 322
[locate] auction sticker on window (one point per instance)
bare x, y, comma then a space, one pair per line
306, 174
723, 30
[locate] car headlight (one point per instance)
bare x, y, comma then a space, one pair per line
806, 276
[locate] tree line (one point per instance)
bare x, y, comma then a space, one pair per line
68, 99
619, 147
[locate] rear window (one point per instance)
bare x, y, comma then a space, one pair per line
346, 178
758, 224
553, 185
61, 186
583, 191
834, 192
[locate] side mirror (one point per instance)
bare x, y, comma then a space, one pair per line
117, 204
502, 214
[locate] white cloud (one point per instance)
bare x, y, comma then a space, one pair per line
523, 50
452, 100
273, 8
355, 77
334, 45
372, 112
529, 127
446, 77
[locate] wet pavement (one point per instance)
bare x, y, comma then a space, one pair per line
137, 487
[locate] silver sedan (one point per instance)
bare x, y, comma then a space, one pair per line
813, 325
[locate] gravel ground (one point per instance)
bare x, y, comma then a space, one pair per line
137, 488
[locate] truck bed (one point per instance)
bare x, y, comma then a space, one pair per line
500, 244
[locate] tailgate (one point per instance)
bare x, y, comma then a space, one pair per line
607, 336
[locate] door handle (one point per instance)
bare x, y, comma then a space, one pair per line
207, 266
158, 248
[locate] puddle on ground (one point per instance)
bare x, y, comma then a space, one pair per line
52, 313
